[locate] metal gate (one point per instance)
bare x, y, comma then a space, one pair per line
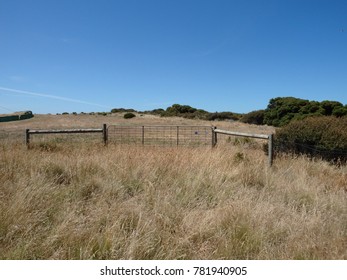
160, 135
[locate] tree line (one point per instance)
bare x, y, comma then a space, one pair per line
282, 110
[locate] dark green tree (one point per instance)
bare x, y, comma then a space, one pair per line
254, 117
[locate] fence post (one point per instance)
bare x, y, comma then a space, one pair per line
178, 135
270, 149
143, 135
27, 137
214, 136
104, 133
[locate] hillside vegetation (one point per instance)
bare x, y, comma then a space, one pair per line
185, 111
320, 137
282, 110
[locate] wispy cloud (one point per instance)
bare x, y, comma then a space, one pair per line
51, 96
7, 109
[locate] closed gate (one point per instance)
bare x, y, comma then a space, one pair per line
161, 135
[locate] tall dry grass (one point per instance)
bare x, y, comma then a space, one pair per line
126, 202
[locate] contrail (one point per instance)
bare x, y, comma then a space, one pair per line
7, 109
52, 96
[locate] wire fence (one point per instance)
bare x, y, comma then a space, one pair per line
332, 154
160, 135
169, 135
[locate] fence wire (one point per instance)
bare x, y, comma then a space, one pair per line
160, 135
310, 150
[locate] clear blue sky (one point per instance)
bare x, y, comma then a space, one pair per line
218, 55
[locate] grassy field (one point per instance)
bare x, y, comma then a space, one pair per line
88, 201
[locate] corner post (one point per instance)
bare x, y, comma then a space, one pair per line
214, 136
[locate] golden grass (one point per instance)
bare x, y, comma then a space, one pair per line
88, 201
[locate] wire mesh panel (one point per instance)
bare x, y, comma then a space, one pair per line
160, 135
125, 134
195, 135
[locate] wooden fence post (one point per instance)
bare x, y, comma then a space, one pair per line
270, 149
214, 136
143, 135
178, 135
27, 137
104, 133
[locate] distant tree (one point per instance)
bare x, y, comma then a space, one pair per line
222, 116
282, 110
254, 117
129, 115
177, 109
122, 110
330, 106
339, 111
157, 111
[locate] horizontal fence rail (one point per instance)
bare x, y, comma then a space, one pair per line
102, 130
91, 130
259, 136
250, 135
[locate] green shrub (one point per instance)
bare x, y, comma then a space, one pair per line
322, 137
254, 117
177, 109
122, 110
102, 113
282, 110
219, 116
129, 115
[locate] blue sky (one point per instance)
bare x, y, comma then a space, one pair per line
218, 55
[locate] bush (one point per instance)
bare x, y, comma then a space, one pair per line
322, 137
282, 110
129, 115
222, 116
177, 109
122, 110
254, 117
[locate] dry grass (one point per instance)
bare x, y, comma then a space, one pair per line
126, 202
